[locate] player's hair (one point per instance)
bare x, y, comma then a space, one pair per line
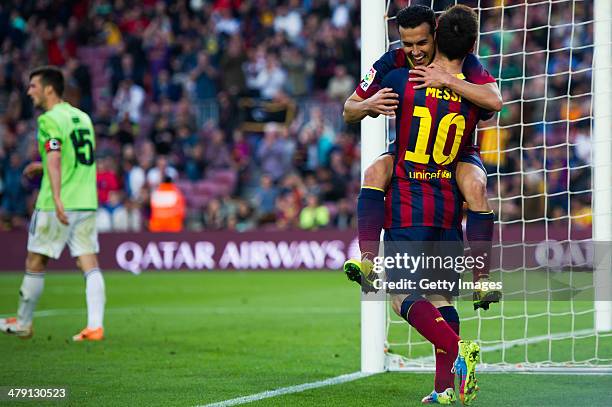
50, 76
457, 31
414, 16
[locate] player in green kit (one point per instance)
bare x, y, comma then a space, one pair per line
66, 205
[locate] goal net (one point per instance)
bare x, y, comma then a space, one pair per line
548, 159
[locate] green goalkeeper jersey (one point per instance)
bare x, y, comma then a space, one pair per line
68, 130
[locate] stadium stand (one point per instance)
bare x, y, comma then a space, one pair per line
217, 94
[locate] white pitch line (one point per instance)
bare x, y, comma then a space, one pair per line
291, 389
197, 310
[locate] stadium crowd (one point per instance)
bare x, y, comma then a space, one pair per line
238, 104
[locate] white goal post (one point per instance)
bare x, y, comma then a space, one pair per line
373, 312
602, 158
378, 350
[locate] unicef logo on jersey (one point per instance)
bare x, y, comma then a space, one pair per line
427, 175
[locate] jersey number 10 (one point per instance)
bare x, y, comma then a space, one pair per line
420, 155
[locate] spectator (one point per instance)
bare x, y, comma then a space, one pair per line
264, 200
233, 79
299, 68
289, 21
60, 46
161, 171
241, 152
133, 174
123, 131
313, 216
270, 80
288, 211
103, 120
164, 87
213, 216
107, 180
227, 112
113, 216
341, 85
203, 78
275, 154
331, 184
14, 195
322, 134
195, 163
162, 135
129, 100
80, 78
344, 218
244, 216
340, 14
225, 23
217, 153
122, 67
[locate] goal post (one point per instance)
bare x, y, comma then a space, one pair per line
373, 311
602, 162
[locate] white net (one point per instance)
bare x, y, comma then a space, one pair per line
539, 153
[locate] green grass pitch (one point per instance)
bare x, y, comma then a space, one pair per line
194, 338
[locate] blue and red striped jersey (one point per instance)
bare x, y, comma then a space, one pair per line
432, 127
472, 69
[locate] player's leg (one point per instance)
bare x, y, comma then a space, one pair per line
95, 295
450, 243
84, 246
462, 359
30, 291
46, 239
411, 304
472, 181
444, 380
370, 215
428, 321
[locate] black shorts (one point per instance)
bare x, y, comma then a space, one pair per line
424, 260
471, 155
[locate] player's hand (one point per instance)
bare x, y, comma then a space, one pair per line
384, 102
33, 169
483, 299
431, 76
60, 212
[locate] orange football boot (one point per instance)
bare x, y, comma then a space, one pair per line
89, 334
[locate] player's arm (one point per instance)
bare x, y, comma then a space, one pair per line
384, 102
54, 170
486, 96
51, 135
33, 169
370, 98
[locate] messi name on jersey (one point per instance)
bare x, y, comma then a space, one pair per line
444, 94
